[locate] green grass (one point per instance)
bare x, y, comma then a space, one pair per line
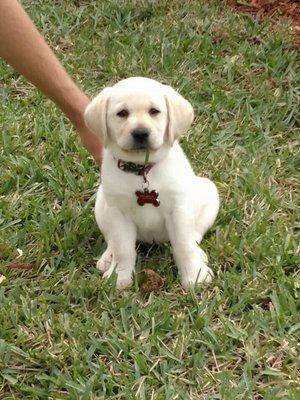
67, 334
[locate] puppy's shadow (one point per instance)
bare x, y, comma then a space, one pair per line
152, 250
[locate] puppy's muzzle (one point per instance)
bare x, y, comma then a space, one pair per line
140, 138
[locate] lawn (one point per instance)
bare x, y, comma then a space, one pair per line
67, 334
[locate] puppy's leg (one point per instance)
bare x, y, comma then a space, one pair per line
190, 259
104, 263
187, 227
120, 233
206, 205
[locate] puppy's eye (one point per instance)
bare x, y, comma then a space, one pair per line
123, 114
154, 111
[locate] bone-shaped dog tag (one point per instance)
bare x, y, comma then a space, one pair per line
146, 197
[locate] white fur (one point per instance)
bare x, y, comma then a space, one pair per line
188, 204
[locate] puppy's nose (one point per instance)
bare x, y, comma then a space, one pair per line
140, 135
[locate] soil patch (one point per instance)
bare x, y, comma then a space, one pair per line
272, 8
276, 9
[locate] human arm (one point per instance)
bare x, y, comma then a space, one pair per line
22, 46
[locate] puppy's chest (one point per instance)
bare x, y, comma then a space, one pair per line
138, 200
149, 219
129, 191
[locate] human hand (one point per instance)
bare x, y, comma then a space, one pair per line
91, 143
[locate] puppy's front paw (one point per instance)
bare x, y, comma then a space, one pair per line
196, 274
124, 282
124, 278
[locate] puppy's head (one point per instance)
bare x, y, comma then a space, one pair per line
139, 114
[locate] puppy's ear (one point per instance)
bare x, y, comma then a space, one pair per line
95, 114
180, 114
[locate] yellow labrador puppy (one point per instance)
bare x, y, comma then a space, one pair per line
151, 200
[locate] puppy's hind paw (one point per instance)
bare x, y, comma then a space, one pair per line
104, 263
